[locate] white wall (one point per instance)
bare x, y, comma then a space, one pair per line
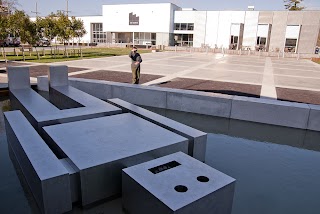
199, 28
250, 29
184, 16
152, 17
212, 28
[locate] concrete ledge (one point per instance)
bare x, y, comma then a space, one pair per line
314, 118
47, 178
197, 139
270, 112
288, 114
199, 102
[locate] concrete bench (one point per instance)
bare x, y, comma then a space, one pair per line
47, 178
41, 112
197, 139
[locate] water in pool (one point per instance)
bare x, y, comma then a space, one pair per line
277, 169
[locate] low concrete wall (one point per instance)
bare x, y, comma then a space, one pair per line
273, 112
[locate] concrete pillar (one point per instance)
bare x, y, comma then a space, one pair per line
58, 75
18, 77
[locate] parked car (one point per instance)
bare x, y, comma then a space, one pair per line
14, 42
4, 42
43, 42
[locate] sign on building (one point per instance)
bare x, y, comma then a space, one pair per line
133, 19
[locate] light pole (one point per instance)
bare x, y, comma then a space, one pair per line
36, 12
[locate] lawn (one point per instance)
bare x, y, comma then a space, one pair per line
87, 53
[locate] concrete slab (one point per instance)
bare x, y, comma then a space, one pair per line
314, 118
211, 104
176, 183
100, 148
270, 112
197, 139
140, 95
47, 178
18, 77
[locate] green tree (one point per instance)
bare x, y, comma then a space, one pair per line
16, 20
77, 29
4, 31
63, 29
293, 4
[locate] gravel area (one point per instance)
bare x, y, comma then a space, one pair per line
214, 87
295, 95
116, 76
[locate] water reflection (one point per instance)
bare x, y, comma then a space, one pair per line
253, 131
271, 178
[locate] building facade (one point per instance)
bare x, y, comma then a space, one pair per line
168, 24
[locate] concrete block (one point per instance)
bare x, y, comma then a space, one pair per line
176, 183
268, 111
314, 118
197, 139
43, 83
18, 77
97, 88
47, 178
74, 179
100, 148
199, 102
140, 95
58, 75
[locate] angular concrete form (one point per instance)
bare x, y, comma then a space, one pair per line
18, 78
41, 112
140, 95
213, 104
314, 118
176, 183
197, 139
47, 178
100, 148
42, 83
58, 75
270, 112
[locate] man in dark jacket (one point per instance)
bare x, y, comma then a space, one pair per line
135, 65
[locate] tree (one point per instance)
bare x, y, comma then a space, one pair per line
11, 5
16, 20
293, 5
77, 29
4, 31
64, 29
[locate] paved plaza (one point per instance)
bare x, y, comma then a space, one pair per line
253, 76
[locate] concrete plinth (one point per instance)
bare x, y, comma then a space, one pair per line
100, 148
197, 139
18, 78
47, 178
176, 183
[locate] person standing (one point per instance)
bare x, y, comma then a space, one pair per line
135, 65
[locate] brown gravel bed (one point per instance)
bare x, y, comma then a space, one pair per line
214, 87
43, 70
116, 76
296, 95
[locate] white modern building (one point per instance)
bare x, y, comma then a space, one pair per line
168, 24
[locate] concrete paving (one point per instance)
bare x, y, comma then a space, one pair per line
269, 73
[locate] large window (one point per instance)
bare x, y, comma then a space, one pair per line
98, 36
142, 38
183, 39
290, 45
184, 26
234, 42
261, 43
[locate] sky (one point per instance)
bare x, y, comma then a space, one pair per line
94, 7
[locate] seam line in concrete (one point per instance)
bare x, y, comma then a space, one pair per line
268, 89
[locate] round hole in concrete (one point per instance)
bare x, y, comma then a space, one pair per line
181, 188
203, 179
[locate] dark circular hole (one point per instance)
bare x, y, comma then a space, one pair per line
181, 188
203, 179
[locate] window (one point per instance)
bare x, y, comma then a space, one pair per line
290, 45
98, 36
184, 26
190, 26
177, 26
261, 40
183, 39
142, 38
